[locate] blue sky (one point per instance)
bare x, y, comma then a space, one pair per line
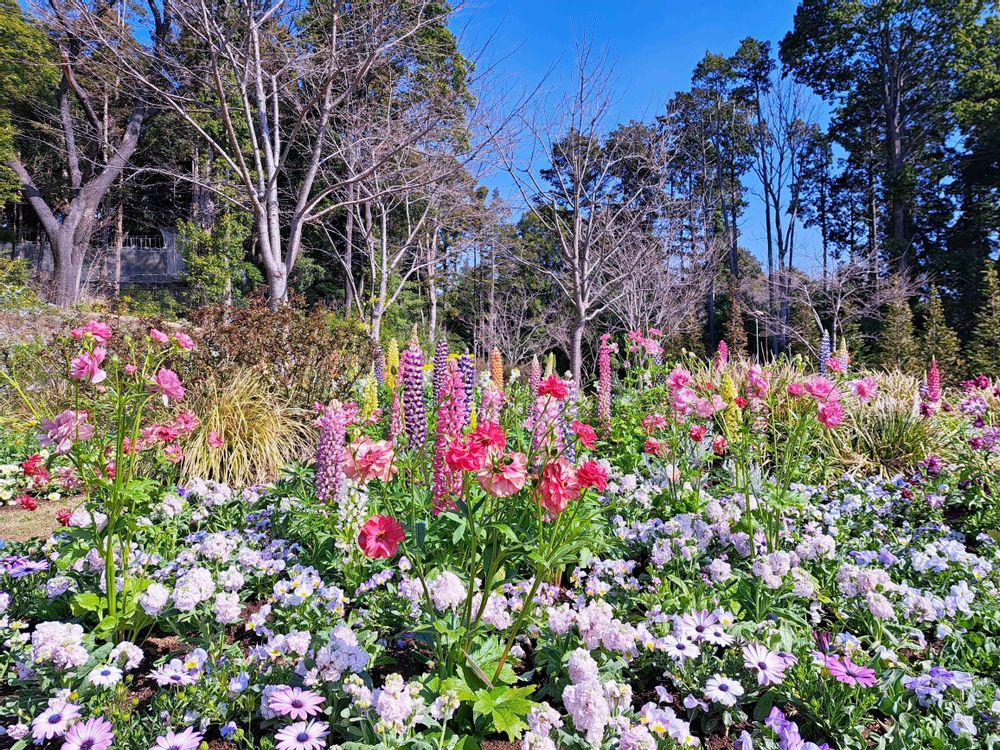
653, 46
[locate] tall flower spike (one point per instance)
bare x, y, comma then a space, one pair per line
824, 351
369, 396
467, 366
534, 376
721, 355
933, 382
332, 423
396, 428
414, 406
843, 356
440, 367
492, 402
450, 421
379, 365
496, 368
392, 364
604, 383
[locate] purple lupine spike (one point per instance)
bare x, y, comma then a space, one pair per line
440, 366
721, 355
467, 366
332, 423
824, 351
604, 383
414, 405
934, 382
379, 365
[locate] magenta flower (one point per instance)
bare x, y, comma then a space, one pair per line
332, 425
92, 734
302, 736
87, 366
850, 673
100, 331
168, 385
67, 428
158, 336
186, 740
295, 702
604, 383
184, 341
864, 389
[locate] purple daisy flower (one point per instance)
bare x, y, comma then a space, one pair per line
92, 734
186, 740
295, 702
302, 736
54, 720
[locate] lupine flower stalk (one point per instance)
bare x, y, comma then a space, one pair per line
414, 407
496, 368
604, 383
392, 364
843, 356
450, 421
492, 402
824, 351
933, 382
369, 396
440, 366
722, 355
379, 365
332, 423
534, 376
396, 427
467, 366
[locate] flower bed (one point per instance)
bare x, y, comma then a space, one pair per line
679, 560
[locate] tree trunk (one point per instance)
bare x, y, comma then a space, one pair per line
576, 347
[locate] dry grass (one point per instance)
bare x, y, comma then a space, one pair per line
18, 525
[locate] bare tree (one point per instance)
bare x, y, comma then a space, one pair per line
596, 195
95, 125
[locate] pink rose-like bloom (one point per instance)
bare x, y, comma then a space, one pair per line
835, 365
168, 385
830, 414
380, 536
678, 378
592, 474
159, 336
368, 459
87, 366
65, 430
214, 440
100, 331
559, 485
796, 389
820, 388
503, 476
864, 388
184, 341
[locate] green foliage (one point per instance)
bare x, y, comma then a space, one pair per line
15, 294
984, 345
215, 259
939, 341
898, 348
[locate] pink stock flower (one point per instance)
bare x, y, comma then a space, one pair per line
757, 382
67, 428
159, 336
864, 388
167, 384
558, 486
100, 331
380, 536
87, 366
830, 414
183, 340
368, 459
503, 476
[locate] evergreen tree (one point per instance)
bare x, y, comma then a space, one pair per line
939, 341
984, 347
734, 331
898, 348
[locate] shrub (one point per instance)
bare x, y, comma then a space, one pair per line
305, 355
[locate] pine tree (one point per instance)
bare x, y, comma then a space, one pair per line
734, 331
984, 346
898, 348
939, 341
